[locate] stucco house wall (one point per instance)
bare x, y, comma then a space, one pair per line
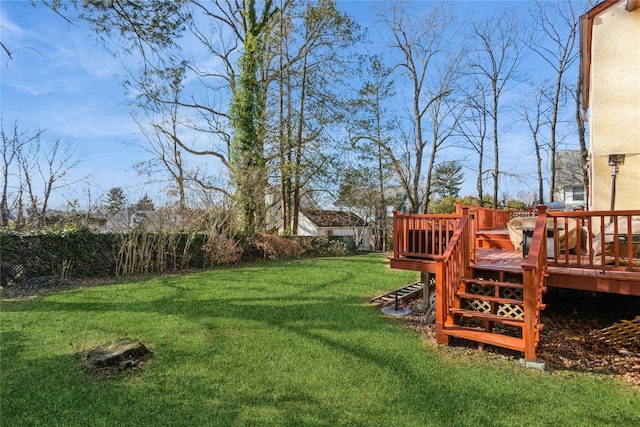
612, 31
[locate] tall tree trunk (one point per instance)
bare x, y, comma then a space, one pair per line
496, 151
552, 141
584, 153
298, 154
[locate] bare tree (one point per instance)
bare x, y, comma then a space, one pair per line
536, 115
371, 135
423, 41
307, 63
171, 140
38, 166
12, 145
474, 127
558, 26
238, 57
17, 146
495, 60
582, 140
444, 114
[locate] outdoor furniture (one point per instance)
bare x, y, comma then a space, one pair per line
527, 236
608, 244
567, 234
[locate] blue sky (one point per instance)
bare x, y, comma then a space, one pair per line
63, 80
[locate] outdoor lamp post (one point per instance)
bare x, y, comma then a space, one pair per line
615, 161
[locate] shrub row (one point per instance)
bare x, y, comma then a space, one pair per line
78, 253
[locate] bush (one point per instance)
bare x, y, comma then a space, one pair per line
221, 250
59, 254
321, 245
270, 246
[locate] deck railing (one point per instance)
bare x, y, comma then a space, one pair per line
421, 235
451, 269
491, 219
534, 270
603, 240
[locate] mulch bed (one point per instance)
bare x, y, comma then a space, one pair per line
566, 344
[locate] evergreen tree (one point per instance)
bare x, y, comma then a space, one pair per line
116, 200
145, 204
448, 179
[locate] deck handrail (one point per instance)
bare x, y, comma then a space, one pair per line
600, 240
534, 269
451, 268
491, 218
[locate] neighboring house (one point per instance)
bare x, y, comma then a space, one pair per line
569, 187
312, 222
609, 69
127, 219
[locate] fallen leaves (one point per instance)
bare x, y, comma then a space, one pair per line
566, 341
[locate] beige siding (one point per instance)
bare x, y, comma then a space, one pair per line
614, 114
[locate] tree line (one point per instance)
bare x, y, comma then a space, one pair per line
265, 105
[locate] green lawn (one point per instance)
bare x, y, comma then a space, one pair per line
276, 344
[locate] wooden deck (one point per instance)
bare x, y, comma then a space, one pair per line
480, 276
510, 261
586, 279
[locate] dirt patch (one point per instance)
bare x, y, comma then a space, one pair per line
566, 343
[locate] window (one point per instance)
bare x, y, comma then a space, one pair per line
578, 194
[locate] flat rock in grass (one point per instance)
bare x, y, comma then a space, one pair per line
117, 355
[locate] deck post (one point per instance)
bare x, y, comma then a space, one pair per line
530, 307
441, 302
533, 276
397, 232
472, 234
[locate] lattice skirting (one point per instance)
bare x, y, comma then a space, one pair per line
625, 332
479, 305
511, 311
512, 293
507, 310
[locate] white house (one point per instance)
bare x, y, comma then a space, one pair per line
314, 222
569, 179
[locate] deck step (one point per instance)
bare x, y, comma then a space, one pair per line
496, 318
498, 340
406, 293
496, 239
485, 282
490, 298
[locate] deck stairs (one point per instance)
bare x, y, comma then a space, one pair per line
489, 309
